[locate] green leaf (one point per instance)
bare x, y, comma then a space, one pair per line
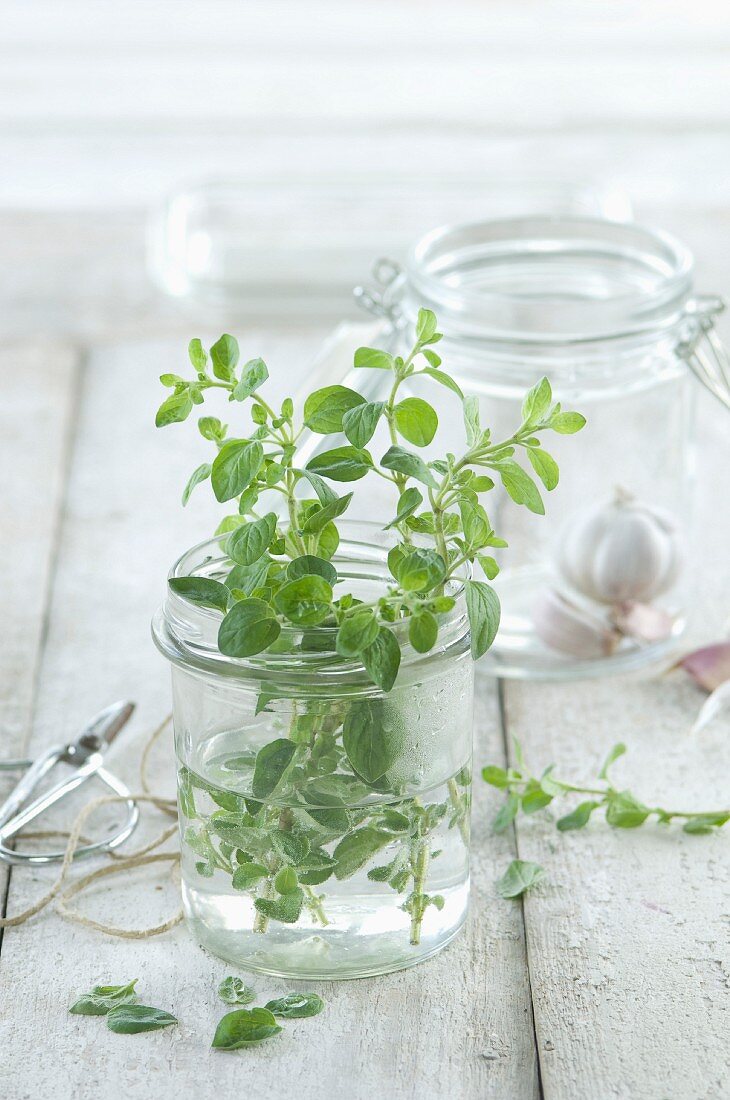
356, 633
325, 408
354, 850
423, 631
444, 379
244, 877
520, 485
103, 998
197, 355
382, 659
425, 326
287, 908
506, 814
211, 428
496, 777
404, 462
482, 605
310, 565
416, 421
489, 565
325, 494
567, 423
360, 422
250, 541
319, 866
201, 474
342, 464
286, 881
431, 357
306, 601
201, 590
521, 875
235, 467
296, 1006
701, 824
247, 578
471, 420
324, 515
618, 750
248, 628
371, 357
235, 992
420, 570
253, 375
623, 811
131, 1019
293, 847
370, 748
174, 409
271, 763
544, 466
475, 525
410, 500
534, 798
578, 818
224, 354
537, 402
244, 1027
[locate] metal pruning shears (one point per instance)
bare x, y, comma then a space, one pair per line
86, 757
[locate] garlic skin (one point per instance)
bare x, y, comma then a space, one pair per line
620, 550
564, 626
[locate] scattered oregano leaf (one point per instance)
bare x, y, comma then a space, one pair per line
521, 875
296, 1006
235, 992
103, 998
244, 1027
130, 1019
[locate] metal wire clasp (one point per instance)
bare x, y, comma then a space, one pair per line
384, 298
701, 347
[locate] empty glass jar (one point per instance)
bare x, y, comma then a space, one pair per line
603, 582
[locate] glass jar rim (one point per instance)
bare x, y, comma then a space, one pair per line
548, 280
186, 633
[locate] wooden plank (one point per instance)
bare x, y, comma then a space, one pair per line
459, 1025
38, 384
627, 941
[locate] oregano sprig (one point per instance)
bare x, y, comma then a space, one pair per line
623, 810
283, 535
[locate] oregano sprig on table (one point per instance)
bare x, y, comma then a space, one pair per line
282, 573
529, 793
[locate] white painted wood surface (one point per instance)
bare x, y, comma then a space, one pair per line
396, 116
469, 1012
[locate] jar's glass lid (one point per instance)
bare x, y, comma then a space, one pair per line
549, 279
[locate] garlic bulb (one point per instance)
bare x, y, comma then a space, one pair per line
564, 626
620, 550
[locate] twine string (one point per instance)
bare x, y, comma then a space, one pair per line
121, 862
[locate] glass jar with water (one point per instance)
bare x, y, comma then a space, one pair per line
293, 863
605, 310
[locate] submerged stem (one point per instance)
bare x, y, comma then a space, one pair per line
261, 921
314, 902
419, 860
457, 802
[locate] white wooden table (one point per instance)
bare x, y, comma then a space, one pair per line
612, 979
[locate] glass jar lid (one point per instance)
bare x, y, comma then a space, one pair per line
548, 281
